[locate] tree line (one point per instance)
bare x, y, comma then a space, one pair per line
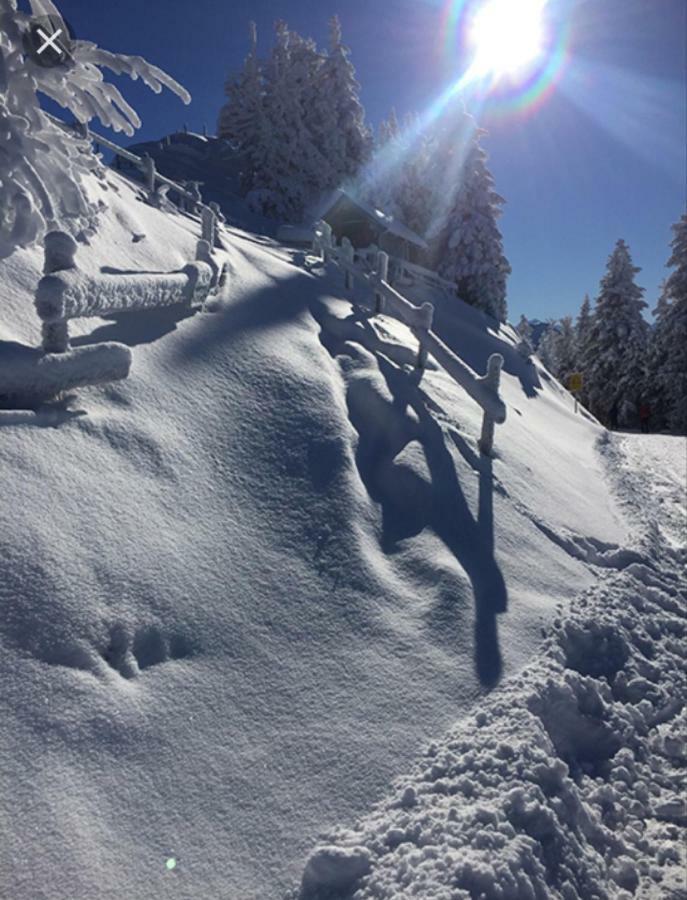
297, 120
631, 370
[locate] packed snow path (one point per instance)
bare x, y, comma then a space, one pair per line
242, 588
569, 782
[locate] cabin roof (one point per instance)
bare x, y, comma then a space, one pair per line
381, 219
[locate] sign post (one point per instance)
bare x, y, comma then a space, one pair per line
575, 385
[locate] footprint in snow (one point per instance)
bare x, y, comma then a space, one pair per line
128, 656
149, 647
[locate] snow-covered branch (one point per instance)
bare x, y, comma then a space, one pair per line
41, 166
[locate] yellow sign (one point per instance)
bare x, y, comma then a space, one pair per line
575, 382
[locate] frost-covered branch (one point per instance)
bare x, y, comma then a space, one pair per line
41, 166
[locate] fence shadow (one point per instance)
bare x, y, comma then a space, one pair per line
476, 351
137, 326
409, 503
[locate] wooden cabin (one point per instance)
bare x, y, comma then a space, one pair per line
364, 225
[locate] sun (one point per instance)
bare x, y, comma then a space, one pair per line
507, 36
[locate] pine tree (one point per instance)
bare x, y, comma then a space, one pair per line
414, 200
668, 355
242, 118
615, 355
352, 139
524, 329
467, 245
582, 330
287, 164
547, 347
381, 177
566, 350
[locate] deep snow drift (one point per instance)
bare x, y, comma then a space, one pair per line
241, 588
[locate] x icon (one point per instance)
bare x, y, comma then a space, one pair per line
50, 41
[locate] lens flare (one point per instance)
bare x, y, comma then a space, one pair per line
512, 53
507, 37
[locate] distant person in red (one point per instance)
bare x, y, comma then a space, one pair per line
644, 416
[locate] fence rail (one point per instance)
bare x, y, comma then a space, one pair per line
145, 164
371, 271
66, 293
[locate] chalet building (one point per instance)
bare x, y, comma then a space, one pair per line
364, 225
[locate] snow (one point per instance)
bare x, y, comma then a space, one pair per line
242, 588
565, 784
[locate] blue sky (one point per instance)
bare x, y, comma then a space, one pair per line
601, 157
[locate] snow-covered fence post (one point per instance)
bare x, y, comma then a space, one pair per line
149, 174
492, 381
59, 254
219, 215
317, 242
425, 322
348, 254
327, 241
382, 274
208, 225
204, 254
193, 196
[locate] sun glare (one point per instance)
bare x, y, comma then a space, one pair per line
507, 36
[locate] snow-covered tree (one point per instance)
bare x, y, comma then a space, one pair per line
546, 349
566, 350
615, 355
466, 243
242, 118
286, 161
388, 129
668, 349
298, 120
353, 138
524, 329
582, 330
42, 166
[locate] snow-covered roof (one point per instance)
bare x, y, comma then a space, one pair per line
386, 221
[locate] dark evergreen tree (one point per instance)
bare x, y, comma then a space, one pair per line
615, 355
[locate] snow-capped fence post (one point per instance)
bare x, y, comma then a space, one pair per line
149, 174
193, 196
59, 254
317, 243
348, 254
492, 381
204, 254
208, 225
382, 274
219, 215
426, 320
327, 242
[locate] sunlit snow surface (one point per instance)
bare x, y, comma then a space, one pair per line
242, 589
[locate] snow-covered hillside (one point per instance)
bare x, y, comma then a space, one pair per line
241, 589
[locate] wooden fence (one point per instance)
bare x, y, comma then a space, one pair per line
66, 293
484, 390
